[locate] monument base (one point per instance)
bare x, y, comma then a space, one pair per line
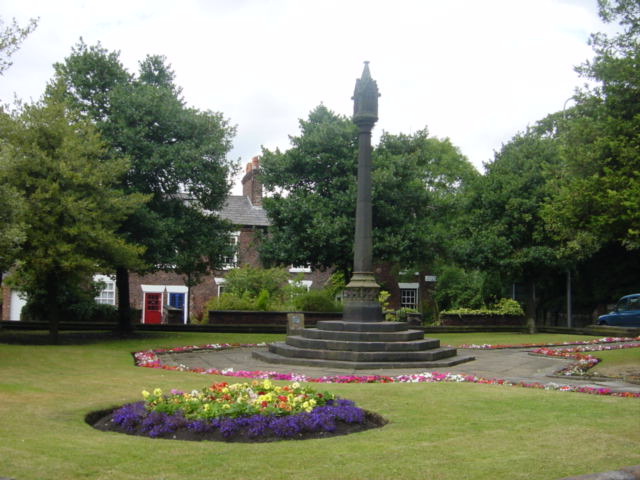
361, 345
360, 299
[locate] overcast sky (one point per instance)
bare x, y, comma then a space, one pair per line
474, 71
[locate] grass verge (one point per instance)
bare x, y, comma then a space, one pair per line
436, 431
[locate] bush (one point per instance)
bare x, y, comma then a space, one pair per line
251, 282
504, 306
230, 301
315, 301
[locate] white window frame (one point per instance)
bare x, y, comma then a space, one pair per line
234, 239
302, 283
300, 269
220, 283
106, 296
165, 290
409, 287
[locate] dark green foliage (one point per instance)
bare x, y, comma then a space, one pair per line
72, 207
415, 181
458, 288
315, 301
597, 190
177, 153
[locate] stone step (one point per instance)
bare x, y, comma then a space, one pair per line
290, 351
318, 343
274, 358
360, 336
341, 325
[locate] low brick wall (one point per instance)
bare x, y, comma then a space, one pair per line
241, 317
482, 320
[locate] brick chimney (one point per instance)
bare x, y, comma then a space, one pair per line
251, 186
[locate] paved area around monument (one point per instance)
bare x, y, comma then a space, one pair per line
514, 365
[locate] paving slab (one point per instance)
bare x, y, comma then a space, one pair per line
514, 365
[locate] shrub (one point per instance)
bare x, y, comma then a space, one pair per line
315, 301
230, 301
252, 281
504, 306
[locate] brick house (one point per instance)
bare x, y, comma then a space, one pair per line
156, 293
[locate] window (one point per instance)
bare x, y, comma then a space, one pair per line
408, 295
176, 300
107, 295
300, 269
230, 261
306, 284
220, 283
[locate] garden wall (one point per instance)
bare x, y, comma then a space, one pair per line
482, 320
241, 317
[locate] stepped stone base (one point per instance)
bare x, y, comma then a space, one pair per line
361, 346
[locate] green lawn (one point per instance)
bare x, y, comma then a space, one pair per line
618, 362
435, 431
505, 338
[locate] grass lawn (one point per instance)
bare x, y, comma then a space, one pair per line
505, 338
616, 363
435, 431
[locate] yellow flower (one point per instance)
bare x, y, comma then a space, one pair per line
267, 384
145, 394
157, 392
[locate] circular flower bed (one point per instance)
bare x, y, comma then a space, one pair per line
248, 412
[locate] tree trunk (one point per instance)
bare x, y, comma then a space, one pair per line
531, 309
124, 309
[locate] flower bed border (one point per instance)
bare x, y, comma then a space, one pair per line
150, 359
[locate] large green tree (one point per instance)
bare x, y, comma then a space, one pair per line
313, 185
177, 153
503, 230
11, 203
72, 206
597, 187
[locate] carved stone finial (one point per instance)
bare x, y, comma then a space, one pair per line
365, 99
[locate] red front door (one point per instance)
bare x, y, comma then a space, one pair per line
152, 308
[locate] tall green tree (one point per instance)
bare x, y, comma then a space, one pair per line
11, 202
178, 156
503, 230
72, 206
597, 186
313, 185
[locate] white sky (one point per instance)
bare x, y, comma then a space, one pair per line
476, 71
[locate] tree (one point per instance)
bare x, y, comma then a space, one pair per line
11, 203
11, 36
597, 187
178, 156
312, 209
504, 231
312, 206
58, 163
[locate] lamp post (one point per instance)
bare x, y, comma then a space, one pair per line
361, 294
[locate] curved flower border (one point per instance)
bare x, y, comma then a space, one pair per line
150, 359
584, 361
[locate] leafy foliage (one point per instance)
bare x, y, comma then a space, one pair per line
177, 153
72, 208
504, 306
597, 189
11, 36
312, 208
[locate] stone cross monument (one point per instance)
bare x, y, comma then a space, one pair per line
361, 340
361, 294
